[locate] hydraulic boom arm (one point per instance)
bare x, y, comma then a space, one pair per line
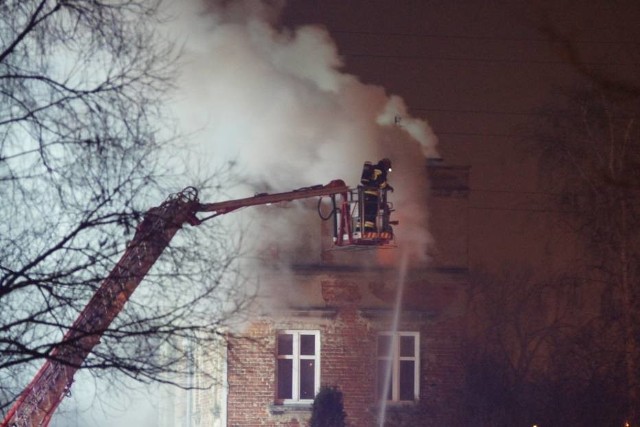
41, 397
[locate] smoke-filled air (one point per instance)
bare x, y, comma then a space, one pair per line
276, 102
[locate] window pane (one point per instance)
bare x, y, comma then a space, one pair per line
285, 381
307, 345
307, 383
383, 367
407, 347
285, 344
407, 371
384, 344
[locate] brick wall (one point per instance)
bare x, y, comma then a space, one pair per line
348, 358
251, 375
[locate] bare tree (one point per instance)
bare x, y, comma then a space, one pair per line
564, 39
81, 85
532, 355
591, 157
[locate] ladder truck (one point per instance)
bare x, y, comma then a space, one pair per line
37, 403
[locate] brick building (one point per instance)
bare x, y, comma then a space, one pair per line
334, 325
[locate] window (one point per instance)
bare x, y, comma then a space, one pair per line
399, 366
298, 366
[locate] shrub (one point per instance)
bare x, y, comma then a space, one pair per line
328, 408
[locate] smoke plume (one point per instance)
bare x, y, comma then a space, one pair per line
277, 102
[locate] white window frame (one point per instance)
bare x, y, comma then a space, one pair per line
395, 365
296, 357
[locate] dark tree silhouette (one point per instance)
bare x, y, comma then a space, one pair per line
591, 158
535, 354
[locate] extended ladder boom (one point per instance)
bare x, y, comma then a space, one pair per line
41, 397
334, 187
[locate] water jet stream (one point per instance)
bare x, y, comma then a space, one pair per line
402, 273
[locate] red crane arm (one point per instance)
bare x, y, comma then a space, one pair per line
334, 187
37, 403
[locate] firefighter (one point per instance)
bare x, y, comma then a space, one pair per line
374, 179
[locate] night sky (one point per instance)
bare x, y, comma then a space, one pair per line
481, 73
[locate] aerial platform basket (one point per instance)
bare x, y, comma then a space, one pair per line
362, 220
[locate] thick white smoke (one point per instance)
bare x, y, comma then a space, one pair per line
277, 102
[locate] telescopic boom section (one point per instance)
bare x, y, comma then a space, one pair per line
334, 187
41, 397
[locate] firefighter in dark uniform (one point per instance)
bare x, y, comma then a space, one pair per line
374, 179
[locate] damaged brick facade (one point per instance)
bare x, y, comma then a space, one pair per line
350, 307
